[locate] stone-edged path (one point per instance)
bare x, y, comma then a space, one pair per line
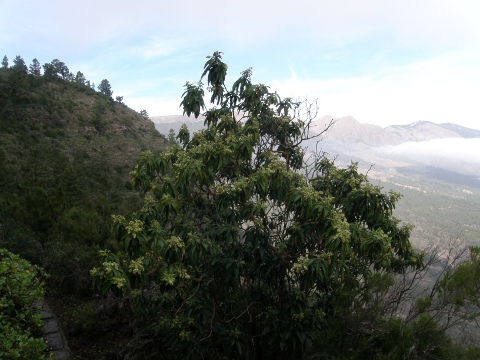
53, 334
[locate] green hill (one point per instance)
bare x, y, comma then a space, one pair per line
66, 152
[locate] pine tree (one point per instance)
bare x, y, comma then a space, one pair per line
35, 67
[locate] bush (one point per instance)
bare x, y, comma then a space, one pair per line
21, 284
20, 240
73, 278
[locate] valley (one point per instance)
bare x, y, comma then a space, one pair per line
441, 193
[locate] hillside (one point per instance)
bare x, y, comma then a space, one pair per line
73, 125
66, 153
50, 125
65, 157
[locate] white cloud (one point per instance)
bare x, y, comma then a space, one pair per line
446, 153
81, 25
155, 47
113, 39
440, 89
155, 106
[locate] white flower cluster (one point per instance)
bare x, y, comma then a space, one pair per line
134, 227
148, 204
301, 266
169, 278
309, 193
298, 317
118, 219
110, 266
136, 266
175, 242
183, 274
343, 228
119, 282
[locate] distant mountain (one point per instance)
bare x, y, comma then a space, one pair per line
164, 123
169, 119
348, 131
462, 131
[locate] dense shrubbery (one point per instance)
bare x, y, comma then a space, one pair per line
21, 285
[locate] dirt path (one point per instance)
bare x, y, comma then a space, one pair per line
53, 334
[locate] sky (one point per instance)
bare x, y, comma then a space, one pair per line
384, 62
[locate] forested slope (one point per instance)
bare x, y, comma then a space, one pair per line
66, 151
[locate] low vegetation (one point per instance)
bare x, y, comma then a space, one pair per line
21, 285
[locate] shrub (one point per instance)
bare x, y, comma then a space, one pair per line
21, 284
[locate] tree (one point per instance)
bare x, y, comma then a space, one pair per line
5, 62
408, 315
62, 69
19, 65
171, 137
237, 253
16, 84
56, 69
460, 287
119, 99
35, 67
48, 71
105, 89
80, 78
144, 113
453, 298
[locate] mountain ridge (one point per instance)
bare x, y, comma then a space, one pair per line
349, 131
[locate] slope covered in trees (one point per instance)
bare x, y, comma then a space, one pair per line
65, 156
66, 152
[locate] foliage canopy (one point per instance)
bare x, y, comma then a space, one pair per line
105, 89
21, 284
237, 253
